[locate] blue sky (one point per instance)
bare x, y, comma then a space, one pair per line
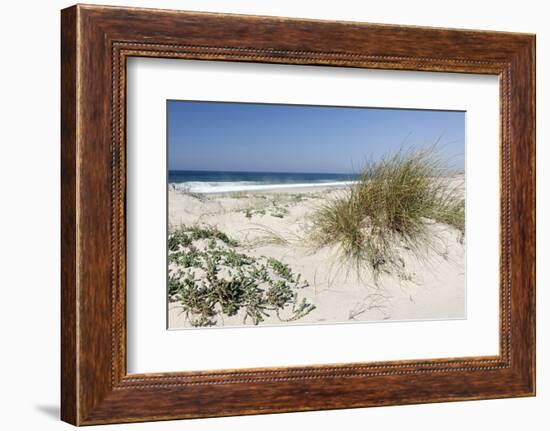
217, 136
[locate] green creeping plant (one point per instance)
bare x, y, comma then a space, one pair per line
217, 281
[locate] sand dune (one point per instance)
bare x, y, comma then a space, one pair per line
273, 224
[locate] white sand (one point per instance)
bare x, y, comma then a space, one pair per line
431, 289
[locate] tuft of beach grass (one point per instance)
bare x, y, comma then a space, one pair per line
388, 210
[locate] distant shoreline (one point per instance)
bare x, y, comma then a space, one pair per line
227, 187
209, 189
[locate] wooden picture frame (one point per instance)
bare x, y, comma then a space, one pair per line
95, 43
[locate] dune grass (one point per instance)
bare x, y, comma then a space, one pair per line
389, 209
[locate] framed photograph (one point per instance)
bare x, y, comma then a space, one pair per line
264, 214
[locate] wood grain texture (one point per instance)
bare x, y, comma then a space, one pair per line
96, 41
69, 397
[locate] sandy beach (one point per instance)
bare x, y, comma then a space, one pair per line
274, 224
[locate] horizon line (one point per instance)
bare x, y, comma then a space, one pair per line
260, 172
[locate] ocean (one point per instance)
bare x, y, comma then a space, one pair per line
223, 182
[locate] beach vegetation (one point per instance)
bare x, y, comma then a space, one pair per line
186, 235
275, 208
264, 235
239, 195
213, 280
388, 210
